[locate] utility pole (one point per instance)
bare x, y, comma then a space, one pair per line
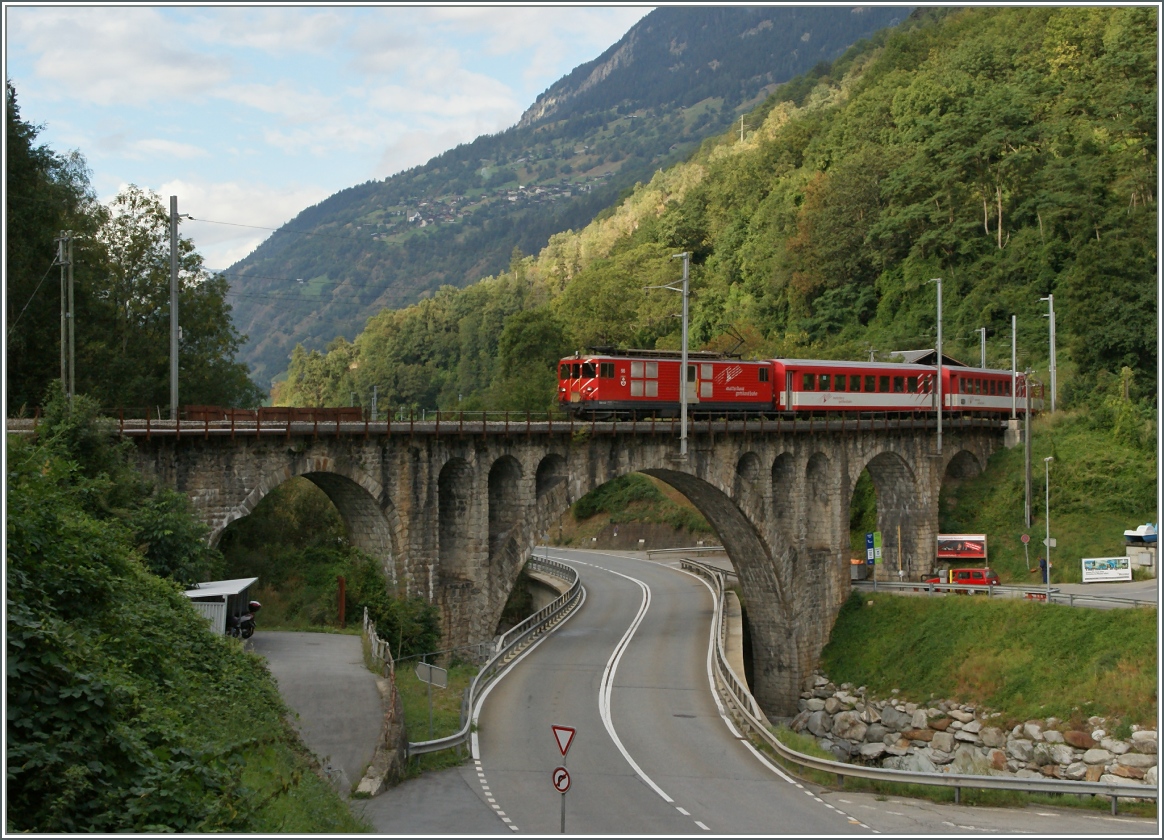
684, 289
938, 280
1027, 451
1013, 367
68, 356
982, 332
174, 307
374, 395
741, 128
1050, 299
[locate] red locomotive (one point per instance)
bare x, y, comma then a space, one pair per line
644, 383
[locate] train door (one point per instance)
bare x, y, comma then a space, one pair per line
706, 388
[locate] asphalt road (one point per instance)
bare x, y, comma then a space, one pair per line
653, 754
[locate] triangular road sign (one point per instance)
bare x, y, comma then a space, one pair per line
564, 736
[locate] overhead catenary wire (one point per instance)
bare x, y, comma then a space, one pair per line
31, 297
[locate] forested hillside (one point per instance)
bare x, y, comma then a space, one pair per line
678, 76
1010, 151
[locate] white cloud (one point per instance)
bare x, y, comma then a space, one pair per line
284, 98
276, 31
112, 55
154, 147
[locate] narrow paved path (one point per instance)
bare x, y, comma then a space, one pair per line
322, 678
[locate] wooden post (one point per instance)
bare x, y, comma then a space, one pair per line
342, 598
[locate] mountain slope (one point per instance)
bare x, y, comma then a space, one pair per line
678, 76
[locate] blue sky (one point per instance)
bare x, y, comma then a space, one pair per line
251, 113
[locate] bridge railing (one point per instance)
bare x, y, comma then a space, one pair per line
509, 646
746, 712
268, 422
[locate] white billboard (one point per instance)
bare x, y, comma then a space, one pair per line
1102, 569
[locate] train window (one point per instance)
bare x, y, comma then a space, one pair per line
962, 386
606, 370
839, 382
564, 372
809, 382
763, 374
637, 370
824, 381
854, 383
576, 370
883, 384
1008, 392
977, 386
588, 371
993, 387
899, 384
652, 370
870, 384
911, 384
705, 372
652, 388
636, 387
691, 373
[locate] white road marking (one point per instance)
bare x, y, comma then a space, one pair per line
683, 811
701, 825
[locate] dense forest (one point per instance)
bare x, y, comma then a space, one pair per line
677, 77
121, 282
1010, 151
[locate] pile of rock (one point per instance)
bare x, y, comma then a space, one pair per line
949, 737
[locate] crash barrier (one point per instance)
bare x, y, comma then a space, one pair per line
509, 645
747, 715
1030, 593
380, 652
695, 549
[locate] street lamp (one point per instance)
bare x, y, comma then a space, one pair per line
683, 288
1047, 515
938, 280
1050, 299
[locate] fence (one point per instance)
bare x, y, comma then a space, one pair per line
748, 716
379, 651
509, 646
1030, 593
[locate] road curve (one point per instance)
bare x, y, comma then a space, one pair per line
653, 754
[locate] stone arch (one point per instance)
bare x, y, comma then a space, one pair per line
783, 486
819, 514
777, 653
505, 508
898, 505
748, 468
962, 465
454, 504
550, 473
363, 504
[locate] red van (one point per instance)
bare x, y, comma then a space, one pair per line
975, 577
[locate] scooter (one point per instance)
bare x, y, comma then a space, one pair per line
243, 626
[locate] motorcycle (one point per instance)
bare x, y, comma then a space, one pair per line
243, 626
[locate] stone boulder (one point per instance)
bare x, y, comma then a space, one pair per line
832, 705
1136, 760
918, 734
1114, 745
1041, 754
1150, 776
1079, 740
1052, 736
914, 763
992, 736
919, 720
1075, 771
1020, 749
896, 720
815, 704
1033, 730
973, 727
1062, 754
820, 724
871, 752
800, 721
1128, 772
1145, 742
943, 741
1097, 756
876, 733
960, 716
849, 725
940, 724
1112, 779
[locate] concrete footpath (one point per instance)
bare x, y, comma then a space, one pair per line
322, 678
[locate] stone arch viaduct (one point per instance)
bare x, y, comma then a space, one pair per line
453, 511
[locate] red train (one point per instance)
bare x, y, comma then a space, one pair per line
644, 383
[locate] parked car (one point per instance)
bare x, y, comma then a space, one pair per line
975, 577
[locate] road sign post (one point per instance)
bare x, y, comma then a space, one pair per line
564, 737
1026, 538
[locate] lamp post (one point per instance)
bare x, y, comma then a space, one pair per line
1050, 316
1047, 515
683, 288
938, 280
982, 333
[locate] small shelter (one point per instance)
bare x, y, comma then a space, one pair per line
926, 357
218, 599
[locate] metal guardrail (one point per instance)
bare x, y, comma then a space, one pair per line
508, 646
695, 549
744, 709
1035, 593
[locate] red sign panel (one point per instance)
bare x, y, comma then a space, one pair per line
564, 735
962, 547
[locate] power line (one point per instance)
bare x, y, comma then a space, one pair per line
280, 230
30, 297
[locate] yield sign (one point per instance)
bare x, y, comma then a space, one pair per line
564, 736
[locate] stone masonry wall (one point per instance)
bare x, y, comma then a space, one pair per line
945, 736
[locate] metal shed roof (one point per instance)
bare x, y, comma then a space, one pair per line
219, 588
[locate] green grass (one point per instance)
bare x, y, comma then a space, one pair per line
1022, 659
1099, 487
446, 711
